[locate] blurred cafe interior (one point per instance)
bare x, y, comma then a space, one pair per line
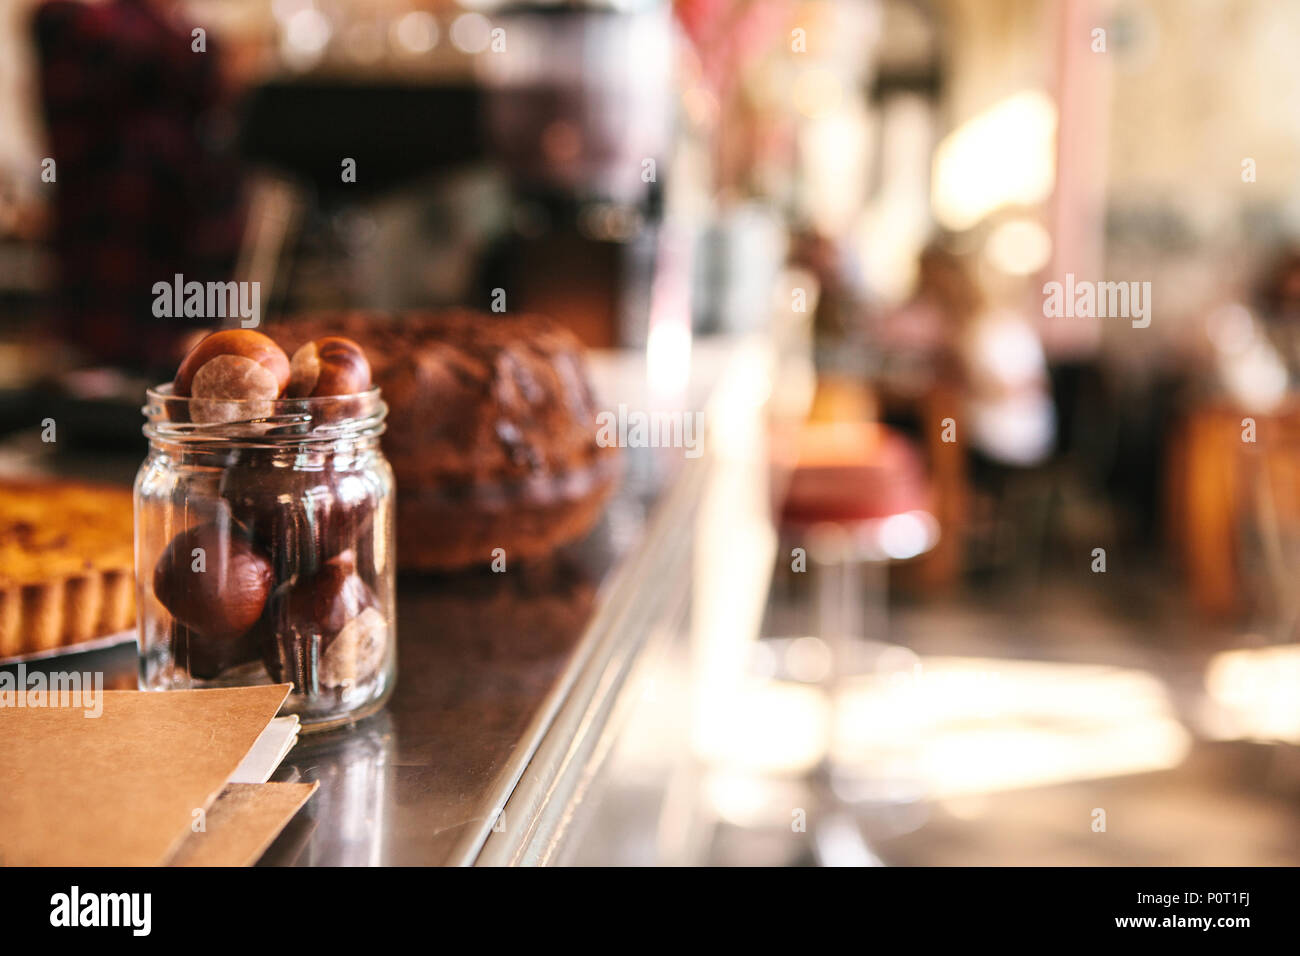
823, 432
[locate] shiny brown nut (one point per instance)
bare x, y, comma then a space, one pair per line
231, 388
300, 518
244, 343
206, 657
213, 580
310, 616
332, 365
325, 602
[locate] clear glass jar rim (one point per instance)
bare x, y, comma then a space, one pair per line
268, 421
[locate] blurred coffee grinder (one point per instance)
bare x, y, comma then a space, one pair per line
578, 115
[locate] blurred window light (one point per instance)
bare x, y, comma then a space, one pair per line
833, 149
747, 800
898, 220
889, 237
471, 32
416, 32
1004, 156
306, 34
763, 727
1254, 695
817, 92
764, 662
808, 659
1019, 247
668, 341
906, 535
668, 357
971, 726
959, 727
840, 842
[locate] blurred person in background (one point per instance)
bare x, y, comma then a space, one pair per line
147, 183
841, 289
1012, 418
947, 334
1011, 431
917, 342
946, 350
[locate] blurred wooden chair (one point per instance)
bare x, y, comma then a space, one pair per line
1233, 507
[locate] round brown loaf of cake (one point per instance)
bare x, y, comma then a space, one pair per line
491, 431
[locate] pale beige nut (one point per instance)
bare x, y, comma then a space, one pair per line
231, 388
357, 653
304, 371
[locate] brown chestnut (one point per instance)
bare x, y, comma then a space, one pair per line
300, 518
213, 580
206, 657
312, 616
330, 598
245, 343
332, 365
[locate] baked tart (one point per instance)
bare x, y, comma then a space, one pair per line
67, 553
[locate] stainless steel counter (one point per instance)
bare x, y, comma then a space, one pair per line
510, 685
504, 684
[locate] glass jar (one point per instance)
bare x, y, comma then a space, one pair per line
264, 550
